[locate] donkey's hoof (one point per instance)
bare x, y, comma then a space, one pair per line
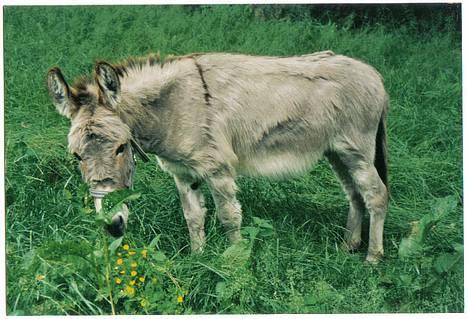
374, 259
196, 251
117, 226
351, 246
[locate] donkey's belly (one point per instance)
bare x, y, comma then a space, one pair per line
277, 165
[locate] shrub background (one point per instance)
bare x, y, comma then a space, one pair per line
298, 267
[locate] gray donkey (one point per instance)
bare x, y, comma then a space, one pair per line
212, 117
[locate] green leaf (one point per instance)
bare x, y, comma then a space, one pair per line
113, 202
67, 194
264, 227
458, 248
310, 300
409, 247
262, 223
445, 205
238, 253
115, 244
102, 218
220, 288
446, 263
86, 210
154, 242
251, 231
413, 245
406, 279
98, 253
159, 256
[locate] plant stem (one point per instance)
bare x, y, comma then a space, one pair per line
109, 287
164, 270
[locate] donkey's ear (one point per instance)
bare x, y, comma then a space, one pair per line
109, 83
60, 93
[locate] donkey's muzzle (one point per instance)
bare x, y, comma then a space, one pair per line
119, 221
117, 226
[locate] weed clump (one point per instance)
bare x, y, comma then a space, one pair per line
103, 276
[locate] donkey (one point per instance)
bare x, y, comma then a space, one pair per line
211, 117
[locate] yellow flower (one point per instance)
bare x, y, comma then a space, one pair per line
132, 283
122, 272
133, 273
129, 290
119, 261
130, 253
134, 264
144, 303
125, 247
118, 281
141, 279
119, 254
40, 277
180, 299
144, 252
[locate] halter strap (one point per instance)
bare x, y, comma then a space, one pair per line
98, 194
139, 150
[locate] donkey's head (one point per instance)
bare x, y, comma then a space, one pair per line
98, 138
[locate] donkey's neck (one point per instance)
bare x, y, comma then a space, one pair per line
160, 104
144, 124
144, 105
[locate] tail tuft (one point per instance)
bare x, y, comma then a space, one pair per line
380, 161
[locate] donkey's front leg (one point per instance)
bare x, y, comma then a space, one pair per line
193, 205
228, 209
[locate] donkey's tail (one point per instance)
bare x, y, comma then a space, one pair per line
380, 160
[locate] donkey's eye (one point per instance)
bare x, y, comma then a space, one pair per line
78, 157
120, 149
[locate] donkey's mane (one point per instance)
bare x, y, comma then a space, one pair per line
84, 87
85, 92
153, 59
137, 63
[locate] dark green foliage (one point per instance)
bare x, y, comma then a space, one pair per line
419, 17
290, 261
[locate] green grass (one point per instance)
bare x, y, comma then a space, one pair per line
293, 267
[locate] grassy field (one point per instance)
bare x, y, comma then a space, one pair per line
59, 261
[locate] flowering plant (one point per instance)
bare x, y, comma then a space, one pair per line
101, 275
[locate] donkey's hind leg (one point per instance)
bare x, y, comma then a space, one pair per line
193, 205
356, 203
374, 193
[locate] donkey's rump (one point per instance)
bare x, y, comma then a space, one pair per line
280, 114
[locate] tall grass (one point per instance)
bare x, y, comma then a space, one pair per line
294, 266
